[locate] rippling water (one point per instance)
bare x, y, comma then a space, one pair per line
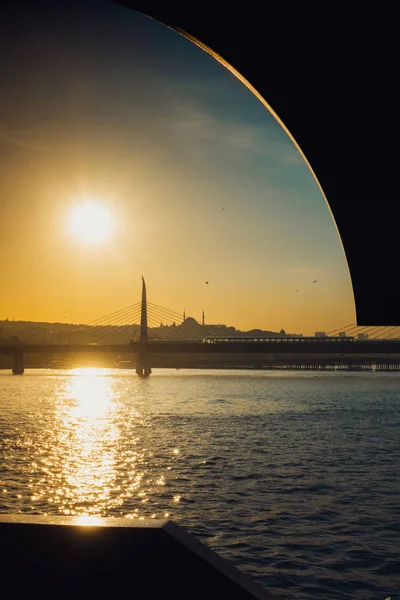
294, 477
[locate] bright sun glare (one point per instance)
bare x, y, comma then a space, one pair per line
90, 223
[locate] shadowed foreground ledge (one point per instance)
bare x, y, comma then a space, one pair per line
93, 557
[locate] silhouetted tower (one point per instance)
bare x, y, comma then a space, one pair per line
184, 316
202, 318
144, 334
143, 363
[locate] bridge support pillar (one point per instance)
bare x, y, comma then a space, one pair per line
143, 368
143, 360
18, 363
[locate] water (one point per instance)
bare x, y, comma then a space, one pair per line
294, 477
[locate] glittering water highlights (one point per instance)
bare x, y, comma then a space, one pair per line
292, 476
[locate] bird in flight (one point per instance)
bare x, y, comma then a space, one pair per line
222, 208
296, 290
315, 281
207, 282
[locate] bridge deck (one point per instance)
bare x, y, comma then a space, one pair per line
370, 347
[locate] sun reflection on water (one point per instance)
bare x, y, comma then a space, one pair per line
94, 449
91, 391
90, 441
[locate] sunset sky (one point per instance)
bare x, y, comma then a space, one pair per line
101, 104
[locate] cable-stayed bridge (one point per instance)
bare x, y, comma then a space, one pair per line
155, 336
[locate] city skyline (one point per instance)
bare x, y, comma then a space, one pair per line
201, 182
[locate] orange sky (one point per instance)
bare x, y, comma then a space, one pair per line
163, 139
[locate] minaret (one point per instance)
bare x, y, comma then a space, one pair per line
184, 316
202, 318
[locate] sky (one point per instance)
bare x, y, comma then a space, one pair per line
102, 104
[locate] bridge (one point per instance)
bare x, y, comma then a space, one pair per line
147, 344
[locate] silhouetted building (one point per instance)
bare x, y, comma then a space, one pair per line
190, 321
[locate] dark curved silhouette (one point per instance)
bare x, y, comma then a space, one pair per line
332, 86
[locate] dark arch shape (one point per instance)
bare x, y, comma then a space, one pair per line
329, 77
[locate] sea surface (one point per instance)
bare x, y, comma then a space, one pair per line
294, 477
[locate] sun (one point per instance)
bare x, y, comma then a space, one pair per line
90, 223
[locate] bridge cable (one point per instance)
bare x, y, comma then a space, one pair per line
380, 330
395, 332
175, 315
171, 330
340, 329
99, 321
115, 328
93, 330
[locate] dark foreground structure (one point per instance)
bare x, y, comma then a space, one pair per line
331, 85
91, 557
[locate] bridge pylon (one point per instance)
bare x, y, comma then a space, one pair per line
143, 360
18, 363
